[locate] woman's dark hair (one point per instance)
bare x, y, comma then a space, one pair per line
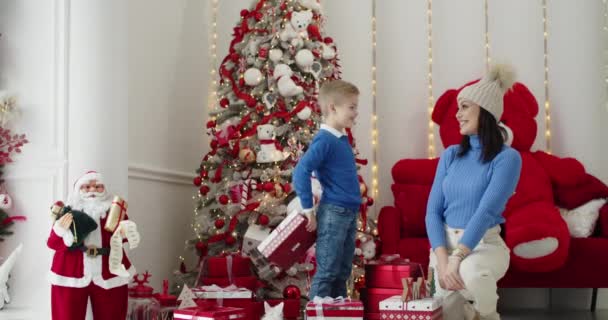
490, 137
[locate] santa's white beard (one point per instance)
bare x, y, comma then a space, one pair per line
95, 207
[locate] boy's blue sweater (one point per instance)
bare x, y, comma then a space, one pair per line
471, 195
330, 156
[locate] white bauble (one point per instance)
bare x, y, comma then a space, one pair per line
275, 55
5, 201
304, 59
253, 76
304, 114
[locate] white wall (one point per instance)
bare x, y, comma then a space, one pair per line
69, 59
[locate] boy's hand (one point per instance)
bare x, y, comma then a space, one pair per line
312, 221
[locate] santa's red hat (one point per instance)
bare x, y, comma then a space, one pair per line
85, 178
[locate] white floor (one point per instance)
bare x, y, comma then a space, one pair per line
553, 315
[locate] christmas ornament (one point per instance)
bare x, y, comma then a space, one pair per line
292, 271
275, 55
253, 76
269, 99
197, 181
263, 53
230, 240
204, 174
268, 186
201, 247
304, 114
263, 220
224, 102
304, 59
248, 185
247, 155
292, 292
219, 223
210, 124
5, 201
328, 52
204, 189
223, 199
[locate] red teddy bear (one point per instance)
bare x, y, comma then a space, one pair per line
534, 229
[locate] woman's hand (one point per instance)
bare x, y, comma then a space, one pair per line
451, 277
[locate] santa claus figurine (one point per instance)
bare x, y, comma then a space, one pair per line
95, 267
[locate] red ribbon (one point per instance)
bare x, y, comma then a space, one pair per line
219, 237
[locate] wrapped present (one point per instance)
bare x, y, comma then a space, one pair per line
373, 316
217, 292
330, 308
250, 283
253, 309
253, 237
388, 271
232, 265
288, 241
209, 312
371, 297
395, 308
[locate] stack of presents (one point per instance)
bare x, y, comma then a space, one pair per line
395, 287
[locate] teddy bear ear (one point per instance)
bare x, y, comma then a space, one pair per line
442, 105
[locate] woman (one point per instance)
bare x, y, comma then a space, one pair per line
472, 184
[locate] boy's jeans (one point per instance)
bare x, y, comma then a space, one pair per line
336, 230
480, 271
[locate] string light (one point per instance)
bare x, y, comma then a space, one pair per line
212, 96
486, 35
431, 102
374, 115
546, 63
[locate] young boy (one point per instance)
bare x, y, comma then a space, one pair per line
331, 157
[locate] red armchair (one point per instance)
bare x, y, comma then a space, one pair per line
402, 230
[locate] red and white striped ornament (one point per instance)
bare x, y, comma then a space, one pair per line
248, 185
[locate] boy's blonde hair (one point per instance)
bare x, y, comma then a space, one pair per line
334, 92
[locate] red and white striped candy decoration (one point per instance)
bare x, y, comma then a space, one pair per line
245, 193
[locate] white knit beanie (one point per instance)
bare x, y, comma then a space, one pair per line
490, 90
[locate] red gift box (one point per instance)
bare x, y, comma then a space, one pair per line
388, 273
209, 313
249, 283
288, 242
427, 308
217, 267
334, 309
371, 297
250, 306
372, 316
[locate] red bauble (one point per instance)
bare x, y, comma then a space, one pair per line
59, 204
283, 6
263, 53
201, 247
263, 220
224, 199
251, 101
197, 181
287, 188
210, 124
313, 32
244, 13
241, 82
224, 102
213, 144
328, 40
260, 108
292, 292
219, 223
204, 174
360, 283
258, 16
204, 190
370, 201
230, 240
268, 186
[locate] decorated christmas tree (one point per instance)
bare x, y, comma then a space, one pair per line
266, 116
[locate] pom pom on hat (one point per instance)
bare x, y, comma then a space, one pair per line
488, 93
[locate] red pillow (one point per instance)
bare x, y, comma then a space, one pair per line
410, 200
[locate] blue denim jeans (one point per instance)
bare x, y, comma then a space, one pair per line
336, 231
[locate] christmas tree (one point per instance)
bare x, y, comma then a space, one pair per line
266, 116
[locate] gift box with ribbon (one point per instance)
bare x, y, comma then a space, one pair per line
413, 303
388, 270
288, 242
209, 312
336, 309
217, 292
